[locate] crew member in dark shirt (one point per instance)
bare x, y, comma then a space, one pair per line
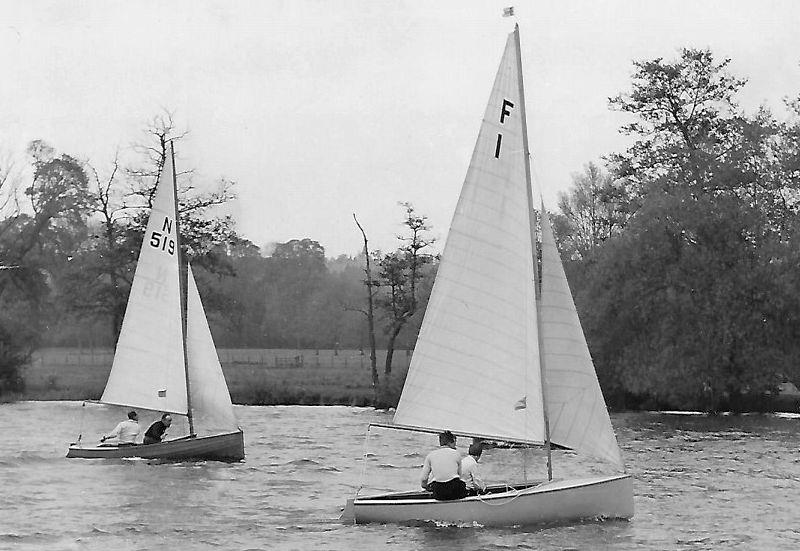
156, 431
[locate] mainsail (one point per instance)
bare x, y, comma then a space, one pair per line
148, 369
211, 403
576, 410
475, 367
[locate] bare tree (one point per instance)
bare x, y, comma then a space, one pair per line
371, 286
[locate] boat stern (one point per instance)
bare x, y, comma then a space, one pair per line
349, 512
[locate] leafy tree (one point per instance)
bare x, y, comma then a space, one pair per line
400, 273
36, 240
695, 287
294, 274
687, 123
594, 209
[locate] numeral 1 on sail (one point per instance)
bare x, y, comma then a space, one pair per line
504, 112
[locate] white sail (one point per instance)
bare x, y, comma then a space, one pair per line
211, 403
475, 367
576, 409
148, 369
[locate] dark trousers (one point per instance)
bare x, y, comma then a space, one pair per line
452, 489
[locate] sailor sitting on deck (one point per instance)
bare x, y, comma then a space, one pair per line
442, 469
469, 470
126, 431
155, 433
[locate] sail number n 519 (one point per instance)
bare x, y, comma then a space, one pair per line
162, 240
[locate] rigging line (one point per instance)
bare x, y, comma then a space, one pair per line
517, 494
183, 275
364, 461
80, 423
534, 259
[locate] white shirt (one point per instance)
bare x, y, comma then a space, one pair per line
469, 474
126, 432
441, 465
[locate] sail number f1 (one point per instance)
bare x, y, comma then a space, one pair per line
504, 112
162, 240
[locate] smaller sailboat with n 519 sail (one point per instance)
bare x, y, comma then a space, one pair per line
165, 359
497, 360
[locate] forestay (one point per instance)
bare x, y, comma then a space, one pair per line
211, 403
576, 409
475, 367
148, 369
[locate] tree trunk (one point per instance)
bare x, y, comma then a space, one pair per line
387, 370
373, 358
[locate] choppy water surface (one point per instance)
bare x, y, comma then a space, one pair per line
730, 482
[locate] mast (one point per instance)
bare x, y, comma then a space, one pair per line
182, 276
527, 154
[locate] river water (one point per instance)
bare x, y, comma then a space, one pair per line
725, 482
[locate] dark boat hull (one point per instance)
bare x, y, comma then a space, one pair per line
218, 447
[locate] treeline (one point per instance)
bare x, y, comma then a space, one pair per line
70, 236
682, 251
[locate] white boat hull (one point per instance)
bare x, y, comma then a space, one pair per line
556, 501
218, 447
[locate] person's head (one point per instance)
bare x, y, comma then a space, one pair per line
475, 450
166, 419
133, 416
446, 438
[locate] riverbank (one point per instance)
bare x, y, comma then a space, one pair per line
274, 377
254, 376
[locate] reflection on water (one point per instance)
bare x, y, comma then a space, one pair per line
724, 482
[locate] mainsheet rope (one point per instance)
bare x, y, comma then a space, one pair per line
80, 422
364, 461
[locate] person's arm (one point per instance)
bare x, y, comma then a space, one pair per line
477, 480
113, 434
426, 471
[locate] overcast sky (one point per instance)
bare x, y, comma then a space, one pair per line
320, 109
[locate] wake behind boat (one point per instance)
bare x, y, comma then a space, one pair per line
501, 354
165, 358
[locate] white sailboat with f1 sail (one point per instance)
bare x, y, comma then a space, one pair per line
495, 359
165, 359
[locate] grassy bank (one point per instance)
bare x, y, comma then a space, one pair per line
254, 376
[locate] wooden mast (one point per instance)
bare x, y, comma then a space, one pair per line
182, 279
527, 153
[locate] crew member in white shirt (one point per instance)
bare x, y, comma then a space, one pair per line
441, 472
469, 470
126, 431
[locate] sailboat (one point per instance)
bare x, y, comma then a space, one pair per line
165, 359
499, 359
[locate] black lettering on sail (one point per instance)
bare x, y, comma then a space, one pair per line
504, 112
167, 227
497, 147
